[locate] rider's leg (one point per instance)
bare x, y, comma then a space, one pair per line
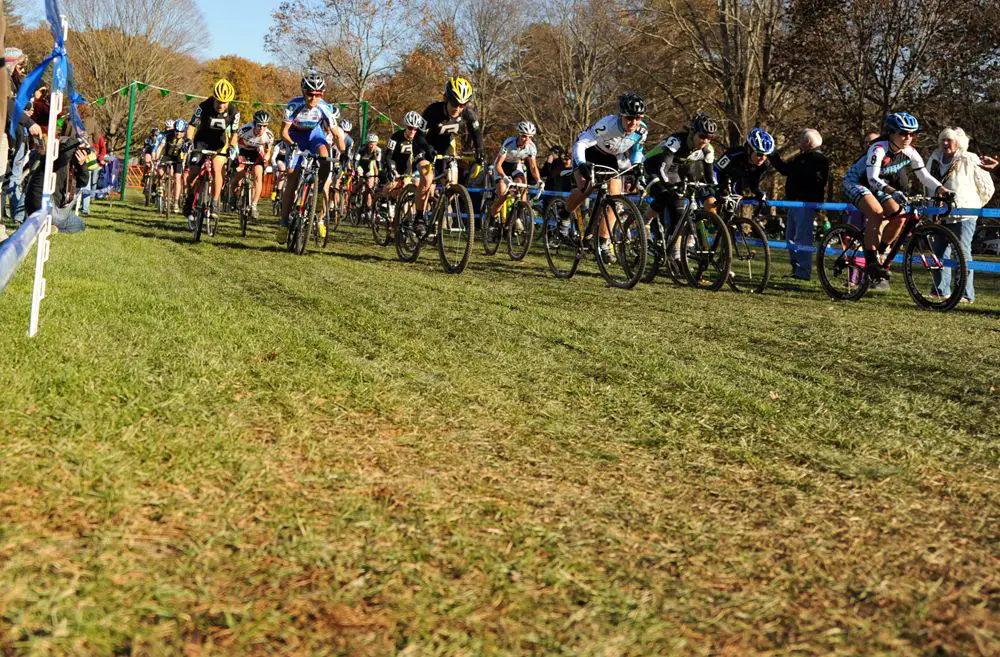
218, 162
614, 189
192, 178
499, 200
258, 183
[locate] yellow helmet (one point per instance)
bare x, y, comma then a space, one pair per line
224, 91
458, 91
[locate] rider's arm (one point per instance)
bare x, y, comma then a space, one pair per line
501, 157
920, 171
285, 135
532, 162
477, 134
587, 139
338, 138
873, 169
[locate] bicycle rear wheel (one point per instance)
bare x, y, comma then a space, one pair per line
492, 226
933, 251
751, 256
840, 263
623, 264
563, 252
304, 220
706, 251
456, 229
520, 230
407, 242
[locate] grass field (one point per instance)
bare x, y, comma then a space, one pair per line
222, 449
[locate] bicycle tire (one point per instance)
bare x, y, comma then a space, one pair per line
710, 251
557, 245
462, 226
628, 243
168, 194
519, 239
751, 264
492, 226
382, 222
302, 223
406, 240
211, 220
840, 263
243, 206
655, 255
927, 237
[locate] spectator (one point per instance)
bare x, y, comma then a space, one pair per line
552, 167
15, 62
960, 171
807, 174
96, 140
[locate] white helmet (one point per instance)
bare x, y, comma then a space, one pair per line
414, 120
526, 128
372, 138
346, 125
168, 125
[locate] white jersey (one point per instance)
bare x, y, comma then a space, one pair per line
250, 141
882, 170
608, 136
303, 117
515, 155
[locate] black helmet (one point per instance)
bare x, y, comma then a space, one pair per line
631, 104
312, 82
704, 124
261, 117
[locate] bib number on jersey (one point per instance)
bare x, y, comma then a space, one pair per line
724, 162
673, 144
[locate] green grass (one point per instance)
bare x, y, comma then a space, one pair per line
222, 449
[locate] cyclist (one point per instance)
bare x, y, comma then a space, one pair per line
741, 169
157, 165
308, 120
875, 184
406, 152
445, 119
509, 165
255, 140
279, 163
212, 128
172, 155
367, 160
153, 140
683, 156
341, 159
615, 142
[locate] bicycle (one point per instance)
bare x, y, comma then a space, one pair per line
244, 197
841, 260
166, 190
302, 216
515, 221
204, 219
150, 183
750, 269
451, 217
361, 204
623, 262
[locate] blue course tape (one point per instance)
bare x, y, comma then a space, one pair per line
975, 265
15, 248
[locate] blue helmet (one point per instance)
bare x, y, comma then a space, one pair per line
901, 122
180, 125
760, 142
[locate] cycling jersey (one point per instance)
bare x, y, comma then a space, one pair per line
173, 146
400, 155
883, 171
279, 153
214, 130
368, 160
303, 117
442, 128
675, 160
609, 138
515, 155
736, 173
153, 142
250, 141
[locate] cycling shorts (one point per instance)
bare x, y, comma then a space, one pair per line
855, 192
252, 156
173, 164
596, 156
511, 170
309, 140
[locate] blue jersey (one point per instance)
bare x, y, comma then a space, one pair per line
303, 117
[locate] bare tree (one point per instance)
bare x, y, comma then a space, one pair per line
113, 43
351, 41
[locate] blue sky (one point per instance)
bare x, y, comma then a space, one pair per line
237, 27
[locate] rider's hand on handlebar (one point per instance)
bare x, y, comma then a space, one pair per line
945, 193
901, 198
584, 170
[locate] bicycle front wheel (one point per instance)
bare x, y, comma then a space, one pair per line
751, 256
840, 263
382, 221
706, 251
520, 230
456, 229
407, 241
620, 242
492, 226
563, 244
934, 268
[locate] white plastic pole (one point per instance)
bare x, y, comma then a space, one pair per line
48, 188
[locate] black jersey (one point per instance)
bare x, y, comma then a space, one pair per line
400, 155
675, 160
173, 147
214, 130
442, 128
737, 173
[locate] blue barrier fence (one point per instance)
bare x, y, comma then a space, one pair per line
976, 265
14, 249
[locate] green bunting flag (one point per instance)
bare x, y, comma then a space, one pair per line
124, 90
188, 97
100, 101
164, 93
342, 105
255, 105
383, 117
142, 86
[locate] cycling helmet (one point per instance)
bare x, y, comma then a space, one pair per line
312, 82
261, 117
631, 104
414, 120
346, 125
224, 91
153, 130
168, 125
526, 128
372, 138
760, 142
180, 125
704, 124
901, 122
458, 91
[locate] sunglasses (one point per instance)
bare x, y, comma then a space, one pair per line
315, 94
702, 135
632, 118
